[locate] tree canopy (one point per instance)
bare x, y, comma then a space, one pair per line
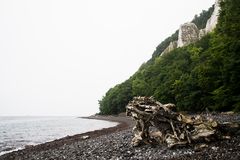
202, 75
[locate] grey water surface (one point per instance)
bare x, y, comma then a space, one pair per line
18, 132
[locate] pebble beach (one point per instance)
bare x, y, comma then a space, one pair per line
115, 143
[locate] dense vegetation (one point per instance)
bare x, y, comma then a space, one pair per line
203, 75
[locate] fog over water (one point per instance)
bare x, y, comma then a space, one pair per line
59, 57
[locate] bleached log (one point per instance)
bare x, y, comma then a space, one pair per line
172, 128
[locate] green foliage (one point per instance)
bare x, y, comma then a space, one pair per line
201, 20
202, 75
161, 47
229, 23
141, 88
116, 98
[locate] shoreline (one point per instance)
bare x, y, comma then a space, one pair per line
123, 123
115, 143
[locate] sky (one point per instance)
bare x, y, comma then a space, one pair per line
59, 57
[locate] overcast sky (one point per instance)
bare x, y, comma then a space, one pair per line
59, 57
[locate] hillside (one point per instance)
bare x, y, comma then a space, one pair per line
203, 74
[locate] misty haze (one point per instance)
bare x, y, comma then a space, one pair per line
119, 79
60, 57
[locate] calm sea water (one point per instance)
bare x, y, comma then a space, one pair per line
17, 132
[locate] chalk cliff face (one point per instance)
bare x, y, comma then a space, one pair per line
188, 33
170, 47
212, 22
202, 33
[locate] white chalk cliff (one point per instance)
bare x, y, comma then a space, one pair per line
189, 33
170, 47
212, 21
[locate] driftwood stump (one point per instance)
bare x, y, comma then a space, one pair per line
158, 123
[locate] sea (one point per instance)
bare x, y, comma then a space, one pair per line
18, 132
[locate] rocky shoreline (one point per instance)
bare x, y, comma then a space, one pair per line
114, 143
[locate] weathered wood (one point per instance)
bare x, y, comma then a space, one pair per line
172, 128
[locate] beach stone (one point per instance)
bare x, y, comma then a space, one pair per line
85, 137
99, 148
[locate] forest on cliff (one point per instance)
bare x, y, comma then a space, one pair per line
203, 75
